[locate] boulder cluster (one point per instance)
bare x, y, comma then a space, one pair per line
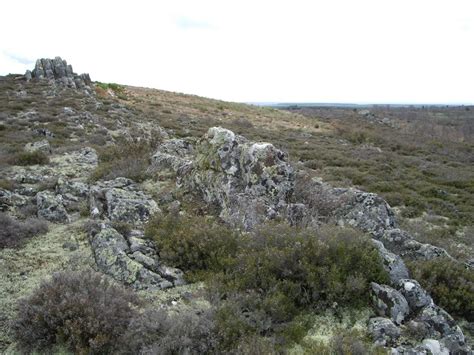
59, 71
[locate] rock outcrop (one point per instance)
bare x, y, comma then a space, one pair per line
250, 182
58, 70
131, 260
50, 207
121, 200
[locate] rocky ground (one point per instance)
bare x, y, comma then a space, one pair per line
97, 196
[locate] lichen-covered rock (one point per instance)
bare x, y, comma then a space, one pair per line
10, 200
402, 243
250, 182
114, 257
50, 207
40, 146
389, 302
383, 331
58, 70
172, 154
121, 200
437, 324
367, 212
392, 263
415, 295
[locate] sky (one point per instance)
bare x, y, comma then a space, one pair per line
346, 51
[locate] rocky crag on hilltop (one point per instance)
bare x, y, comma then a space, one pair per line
58, 70
247, 182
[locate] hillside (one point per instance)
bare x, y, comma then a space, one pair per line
229, 228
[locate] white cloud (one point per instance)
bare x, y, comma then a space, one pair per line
333, 51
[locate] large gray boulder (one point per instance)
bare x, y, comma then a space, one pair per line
415, 295
250, 182
137, 267
403, 244
392, 263
389, 302
383, 331
121, 200
367, 212
437, 324
173, 154
50, 207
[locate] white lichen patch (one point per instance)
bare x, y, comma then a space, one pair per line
331, 323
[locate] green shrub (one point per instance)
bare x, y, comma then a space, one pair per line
450, 284
13, 233
158, 332
263, 281
193, 243
31, 158
81, 310
124, 159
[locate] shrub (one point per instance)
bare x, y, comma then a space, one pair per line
262, 281
82, 310
31, 158
450, 284
14, 233
193, 243
157, 332
124, 159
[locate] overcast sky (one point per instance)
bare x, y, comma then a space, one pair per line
376, 51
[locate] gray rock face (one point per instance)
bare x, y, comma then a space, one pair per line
251, 182
367, 212
58, 70
121, 200
383, 331
173, 154
415, 295
40, 146
50, 207
135, 266
438, 324
392, 263
389, 302
402, 243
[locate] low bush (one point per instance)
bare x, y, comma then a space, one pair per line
193, 243
30, 158
450, 284
124, 159
263, 281
157, 332
14, 233
81, 310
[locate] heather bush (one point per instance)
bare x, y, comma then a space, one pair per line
82, 310
30, 158
124, 159
13, 233
193, 243
450, 284
263, 281
158, 332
